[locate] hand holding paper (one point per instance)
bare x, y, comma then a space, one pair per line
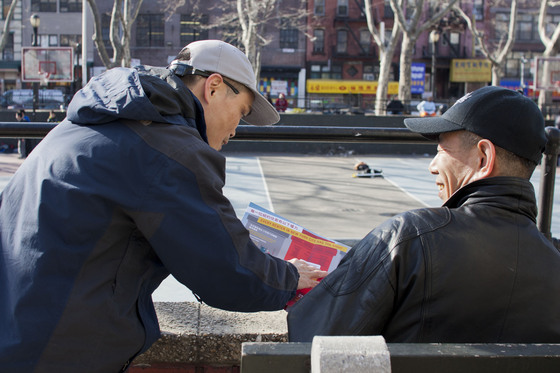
309, 275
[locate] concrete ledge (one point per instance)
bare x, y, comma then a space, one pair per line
416, 357
196, 334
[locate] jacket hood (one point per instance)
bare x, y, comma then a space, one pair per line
142, 93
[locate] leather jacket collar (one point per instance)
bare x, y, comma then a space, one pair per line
510, 193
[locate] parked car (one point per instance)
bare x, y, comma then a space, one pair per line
23, 99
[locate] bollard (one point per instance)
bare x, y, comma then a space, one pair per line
548, 175
335, 354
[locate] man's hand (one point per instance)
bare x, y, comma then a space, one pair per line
308, 274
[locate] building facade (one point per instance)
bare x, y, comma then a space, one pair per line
317, 40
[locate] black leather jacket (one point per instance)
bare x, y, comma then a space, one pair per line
475, 270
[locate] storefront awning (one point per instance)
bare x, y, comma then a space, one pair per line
364, 87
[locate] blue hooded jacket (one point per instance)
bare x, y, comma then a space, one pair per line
121, 193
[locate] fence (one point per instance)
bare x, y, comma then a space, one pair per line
345, 135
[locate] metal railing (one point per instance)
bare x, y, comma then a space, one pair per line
348, 135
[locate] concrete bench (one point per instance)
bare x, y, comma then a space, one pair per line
403, 357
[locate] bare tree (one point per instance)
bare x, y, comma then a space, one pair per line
551, 44
253, 18
386, 52
253, 15
123, 16
417, 23
6, 30
496, 53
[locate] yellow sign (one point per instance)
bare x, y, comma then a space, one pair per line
363, 87
470, 71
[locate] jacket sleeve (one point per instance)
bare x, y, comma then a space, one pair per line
355, 299
194, 231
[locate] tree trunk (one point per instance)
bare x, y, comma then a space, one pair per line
405, 78
497, 73
6, 31
552, 47
383, 83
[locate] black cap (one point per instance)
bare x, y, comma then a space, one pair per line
505, 117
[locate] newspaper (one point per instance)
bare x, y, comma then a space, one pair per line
284, 239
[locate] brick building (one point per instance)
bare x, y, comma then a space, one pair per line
331, 42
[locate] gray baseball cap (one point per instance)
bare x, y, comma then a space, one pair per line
215, 56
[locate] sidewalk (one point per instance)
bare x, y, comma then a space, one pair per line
9, 163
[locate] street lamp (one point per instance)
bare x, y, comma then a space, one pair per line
434, 37
523, 62
35, 21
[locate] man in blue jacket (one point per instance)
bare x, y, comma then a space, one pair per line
126, 190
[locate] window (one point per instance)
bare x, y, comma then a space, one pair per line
70, 40
318, 41
514, 65
342, 8
288, 35
5, 8
502, 24
551, 22
53, 40
150, 30
8, 52
191, 28
388, 37
230, 34
478, 10
105, 33
367, 73
70, 6
336, 72
43, 5
454, 39
341, 41
319, 7
387, 10
524, 27
42, 40
365, 41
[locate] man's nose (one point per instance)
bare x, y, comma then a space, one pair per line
432, 167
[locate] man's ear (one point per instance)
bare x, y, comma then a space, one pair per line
211, 85
487, 158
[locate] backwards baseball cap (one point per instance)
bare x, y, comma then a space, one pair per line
505, 117
215, 56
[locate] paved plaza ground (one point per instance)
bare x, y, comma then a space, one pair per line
319, 192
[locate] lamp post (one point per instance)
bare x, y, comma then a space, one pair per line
523, 62
434, 37
35, 21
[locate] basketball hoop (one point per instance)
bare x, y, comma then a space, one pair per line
56, 61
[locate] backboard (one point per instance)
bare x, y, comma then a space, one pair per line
547, 73
47, 64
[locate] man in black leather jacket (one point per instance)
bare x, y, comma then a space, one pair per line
474, 270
